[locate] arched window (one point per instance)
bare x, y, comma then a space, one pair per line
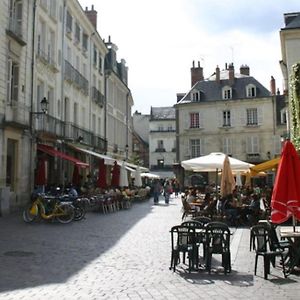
227, 92
250, 91
195, 96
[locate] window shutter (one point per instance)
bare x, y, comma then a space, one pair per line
259, 116
255, 144
220, 118
201, 119
19, 17
9, 81
232, 118
187, 150
243, 117
202, 146
186, 120
277, 145
249, 145
15, 82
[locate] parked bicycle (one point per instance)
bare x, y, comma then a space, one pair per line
49, 208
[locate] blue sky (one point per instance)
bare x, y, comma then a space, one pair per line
159, 39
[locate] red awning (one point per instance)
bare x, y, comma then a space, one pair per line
53, 152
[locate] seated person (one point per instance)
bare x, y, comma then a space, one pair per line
230, 208
249, 212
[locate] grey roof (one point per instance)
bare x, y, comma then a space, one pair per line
141, 126
211, 90
292, 20
162, 113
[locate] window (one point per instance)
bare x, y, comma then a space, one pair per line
77, 33
160, 128
51, 48
195, 146
227, 145
69, 22
226, 118
253, 145
251, 91
12, 81
170, 128
227, 93
84, 41
160, 144
50, 98
53, 9
95, 56
283, 116
195, 96
252, 116
15, 17
100, 63
194, 120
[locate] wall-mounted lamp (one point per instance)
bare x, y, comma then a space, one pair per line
79, 139
44, 107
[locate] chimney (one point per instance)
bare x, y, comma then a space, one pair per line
92, 16
196, 73
231, 74
273, 86
244, 70
217, 74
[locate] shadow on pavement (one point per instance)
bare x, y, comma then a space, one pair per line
44, 253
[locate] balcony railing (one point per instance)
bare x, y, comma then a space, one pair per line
74, 77
48, 124
253, 157
160, 150
98, 97
163, 130
46, 58
15, 31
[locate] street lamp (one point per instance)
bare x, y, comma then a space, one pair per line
44, 107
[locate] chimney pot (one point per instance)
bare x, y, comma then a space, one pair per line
273, 86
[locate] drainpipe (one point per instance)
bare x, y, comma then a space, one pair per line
63, 113
32, 149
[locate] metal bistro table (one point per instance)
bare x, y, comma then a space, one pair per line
294, 251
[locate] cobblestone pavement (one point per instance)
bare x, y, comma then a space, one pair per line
122, 255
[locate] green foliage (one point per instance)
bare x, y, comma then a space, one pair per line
295, 105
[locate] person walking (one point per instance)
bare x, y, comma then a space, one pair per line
167, 191
157, 188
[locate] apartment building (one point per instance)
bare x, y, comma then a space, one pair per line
62, 93
162, 140
229, 112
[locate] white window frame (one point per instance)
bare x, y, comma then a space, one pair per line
283, 116
194, 120
227, 93
252, 116
195, 96
196, 147
226, 115
252, 145
250, 91
227, 145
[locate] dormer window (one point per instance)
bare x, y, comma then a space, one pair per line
195, 96
227, 93
283, 116
251, 91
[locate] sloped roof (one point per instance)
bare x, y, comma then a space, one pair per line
162, 113
292, 20
211, 90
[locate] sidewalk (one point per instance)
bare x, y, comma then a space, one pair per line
123, 255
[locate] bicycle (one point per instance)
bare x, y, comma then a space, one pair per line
49, 209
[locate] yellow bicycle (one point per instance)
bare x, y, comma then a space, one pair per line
49, 208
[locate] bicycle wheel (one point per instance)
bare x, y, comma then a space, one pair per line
30, 213
67, 215
79, 213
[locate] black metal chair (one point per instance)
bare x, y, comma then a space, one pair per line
217, 241
263, 248
183, 241
202, 219
187, 209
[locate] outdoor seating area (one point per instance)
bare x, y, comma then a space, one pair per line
189, 237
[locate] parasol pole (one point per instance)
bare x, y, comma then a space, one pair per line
294, 223
217, 184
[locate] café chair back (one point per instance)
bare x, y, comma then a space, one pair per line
263, 248
217, 238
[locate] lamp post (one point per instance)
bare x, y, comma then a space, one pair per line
44, 107
126, 151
